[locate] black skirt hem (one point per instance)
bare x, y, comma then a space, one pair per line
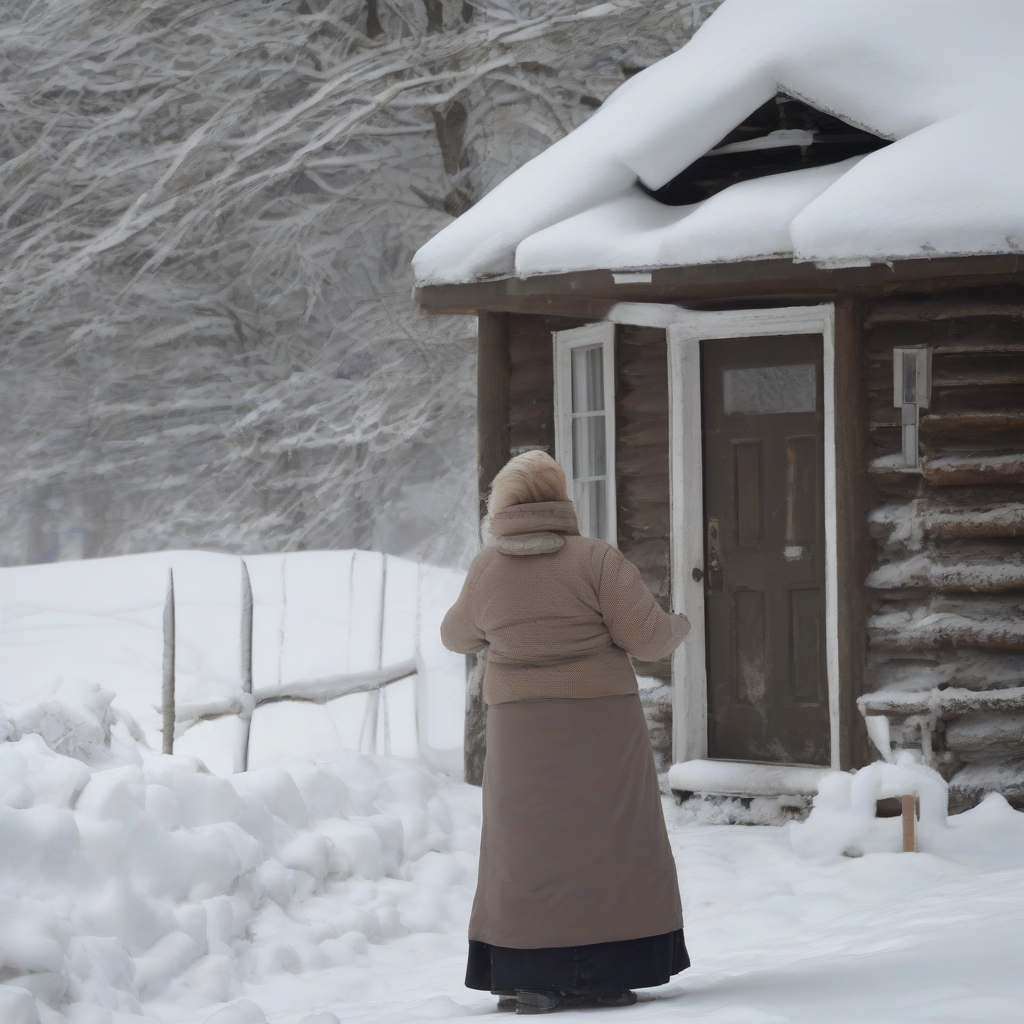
599, 969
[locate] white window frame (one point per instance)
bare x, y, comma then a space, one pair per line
686, 329
591, 335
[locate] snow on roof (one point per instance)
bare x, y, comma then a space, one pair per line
942, 78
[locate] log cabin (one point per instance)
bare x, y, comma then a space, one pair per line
767, 310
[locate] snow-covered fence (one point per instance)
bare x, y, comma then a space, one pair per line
329, 631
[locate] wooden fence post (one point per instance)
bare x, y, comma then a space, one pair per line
493, 378
909, 807
476, 720
245, 716
167, 694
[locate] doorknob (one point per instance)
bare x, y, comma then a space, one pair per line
698, 574
714, 564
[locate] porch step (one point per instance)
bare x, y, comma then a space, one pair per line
743, 778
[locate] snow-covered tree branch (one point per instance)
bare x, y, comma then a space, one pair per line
208, 210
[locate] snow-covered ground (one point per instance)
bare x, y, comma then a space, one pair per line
332, 885
135, 885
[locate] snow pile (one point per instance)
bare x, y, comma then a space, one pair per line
939, 77
843, 819
132, 882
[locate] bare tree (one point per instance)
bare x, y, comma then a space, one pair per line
208, 211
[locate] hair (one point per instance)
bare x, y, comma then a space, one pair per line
532, 476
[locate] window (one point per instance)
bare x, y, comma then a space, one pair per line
585, 424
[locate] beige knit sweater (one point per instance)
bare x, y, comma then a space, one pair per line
559, 612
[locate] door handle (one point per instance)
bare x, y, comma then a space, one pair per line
714, 563
698, 574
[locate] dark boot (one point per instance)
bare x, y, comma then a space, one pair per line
626, 998
537, 1002
506, 1000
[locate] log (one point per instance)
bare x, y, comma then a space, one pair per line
973, 423
946, 703
320, 691
987, 732
909, 311
969, 522
961, 470
899, 635
997, 575
997, 521
976, 378
316, 691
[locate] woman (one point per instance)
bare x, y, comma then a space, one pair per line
577, 898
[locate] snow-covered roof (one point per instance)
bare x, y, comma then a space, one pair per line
943, 78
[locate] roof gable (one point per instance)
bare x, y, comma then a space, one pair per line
782, 135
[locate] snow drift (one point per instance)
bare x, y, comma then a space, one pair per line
131, 878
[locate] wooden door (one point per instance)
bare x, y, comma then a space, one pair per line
765, 549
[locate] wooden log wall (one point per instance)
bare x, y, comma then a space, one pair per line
946, 595
642, 483
641, 413
531, 380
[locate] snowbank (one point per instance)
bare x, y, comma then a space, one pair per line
137, 888
843, 819
939, 77
133, 882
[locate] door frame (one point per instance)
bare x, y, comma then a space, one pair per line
685, 330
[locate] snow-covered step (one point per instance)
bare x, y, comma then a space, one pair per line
744, 778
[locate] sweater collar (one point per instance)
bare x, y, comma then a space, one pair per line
535, 517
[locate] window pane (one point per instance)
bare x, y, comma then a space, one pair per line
588, 447
587, 379
592, 508
762, 390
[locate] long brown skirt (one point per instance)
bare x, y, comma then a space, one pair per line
574, 849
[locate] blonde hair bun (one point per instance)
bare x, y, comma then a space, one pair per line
532, 476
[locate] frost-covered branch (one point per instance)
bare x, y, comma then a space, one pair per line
207, 213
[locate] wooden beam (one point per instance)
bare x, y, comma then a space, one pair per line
908, 805
492, 406
852, 540
590, 293
492, 416
901, 311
